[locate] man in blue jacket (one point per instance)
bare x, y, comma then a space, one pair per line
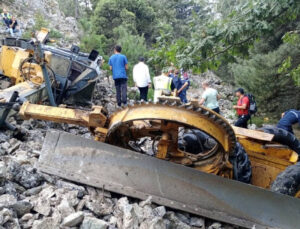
119, 65
289, 118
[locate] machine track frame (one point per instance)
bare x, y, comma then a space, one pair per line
158, 120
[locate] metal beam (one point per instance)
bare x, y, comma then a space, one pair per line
136, 175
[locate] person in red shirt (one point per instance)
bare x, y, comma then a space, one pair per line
242, 108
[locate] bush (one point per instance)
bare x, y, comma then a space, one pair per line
94, 41
55, 34
40, 21
274, 91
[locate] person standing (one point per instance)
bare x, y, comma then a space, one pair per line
185, 82
119, 65
162, 85
141, 78
289, 118
210, 98
180, 85
242, 108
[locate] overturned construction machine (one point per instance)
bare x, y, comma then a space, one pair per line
33, 71
186, 156
189, 135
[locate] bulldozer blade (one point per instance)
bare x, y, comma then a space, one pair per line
178, 187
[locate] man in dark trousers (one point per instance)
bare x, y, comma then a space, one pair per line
242, 108
13, 27
141, 78
6, 17
119, 65
289, 118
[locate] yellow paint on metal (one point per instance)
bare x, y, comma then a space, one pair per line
173, 114
294, 157
251, 145
167, 120
64, 115
267, 158
33, 73
297, 194
10, 61
266, 162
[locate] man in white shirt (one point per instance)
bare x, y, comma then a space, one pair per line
141, 78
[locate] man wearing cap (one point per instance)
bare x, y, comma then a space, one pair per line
242, 108
289, 118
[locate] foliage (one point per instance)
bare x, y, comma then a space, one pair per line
93, 41
216, 41
260, 76
252, 43
41, 22
291, 65
133, 46
69, 8
136, 15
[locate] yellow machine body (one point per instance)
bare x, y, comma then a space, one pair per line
267, 158
12, 58
10, 62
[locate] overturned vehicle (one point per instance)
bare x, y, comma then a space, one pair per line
38, 71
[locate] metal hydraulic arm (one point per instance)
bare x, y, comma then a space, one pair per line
93, 119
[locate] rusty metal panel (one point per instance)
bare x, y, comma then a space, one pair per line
136, 175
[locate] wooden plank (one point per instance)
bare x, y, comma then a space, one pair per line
254, 134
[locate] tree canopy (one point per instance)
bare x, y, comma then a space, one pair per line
251, 43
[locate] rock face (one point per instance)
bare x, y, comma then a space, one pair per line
27, 10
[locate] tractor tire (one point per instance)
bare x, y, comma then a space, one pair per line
288, 182
242, 170
284, 137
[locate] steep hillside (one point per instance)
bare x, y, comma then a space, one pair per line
33, 14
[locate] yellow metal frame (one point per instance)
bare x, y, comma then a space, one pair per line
172, 114
11, 59
92, 119
267, 158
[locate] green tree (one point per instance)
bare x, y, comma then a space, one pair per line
259, 74
136, 15
133, 46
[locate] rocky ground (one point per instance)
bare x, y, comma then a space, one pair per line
30, 199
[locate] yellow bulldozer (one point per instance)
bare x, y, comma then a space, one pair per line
185, 156
33, 71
